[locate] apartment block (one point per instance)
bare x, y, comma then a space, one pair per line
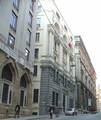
98, 98
85, 77
53, 81
17, 36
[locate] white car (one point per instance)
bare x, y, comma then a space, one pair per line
71, 111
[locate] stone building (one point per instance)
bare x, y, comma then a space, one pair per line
17, 31
85, 77
53, 82
98, 98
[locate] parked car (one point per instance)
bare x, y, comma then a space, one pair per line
93, 110
85, 111
71, 111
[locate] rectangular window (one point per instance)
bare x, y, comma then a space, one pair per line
65, 28
16, 4
54, 75
38, 22
35, 70
28, 37
57, 99
10, 96
58, 16
36, 53
55, 46
13, 22
35, 96
53, 98
64, 57
30, 19
5, 93
21, 97
37, 37
11, 41
86, 77
64, 102
25, 102
27, 54
57, 76
70, 103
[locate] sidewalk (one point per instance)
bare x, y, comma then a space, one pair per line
46, 117
43, 117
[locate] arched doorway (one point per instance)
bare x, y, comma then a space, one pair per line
24, 90
7, 79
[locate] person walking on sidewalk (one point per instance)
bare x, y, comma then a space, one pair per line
51, 112
17, 110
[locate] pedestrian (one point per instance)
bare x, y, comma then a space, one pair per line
17, 110
51, 113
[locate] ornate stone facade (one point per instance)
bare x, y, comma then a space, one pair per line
17, 35
15, 87
85, 77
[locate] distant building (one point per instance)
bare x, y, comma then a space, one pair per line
85, 77
53, 82
98, 96
17, 36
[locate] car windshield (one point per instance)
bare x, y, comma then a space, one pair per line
70, 109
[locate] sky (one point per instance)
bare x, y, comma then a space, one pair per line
84, 18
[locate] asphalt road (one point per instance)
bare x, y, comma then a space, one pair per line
96, 116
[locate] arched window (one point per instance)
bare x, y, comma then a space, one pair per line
23, 82
23, 90
7, 77
57, 27
6, 73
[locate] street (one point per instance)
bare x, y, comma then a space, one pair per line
96, 116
